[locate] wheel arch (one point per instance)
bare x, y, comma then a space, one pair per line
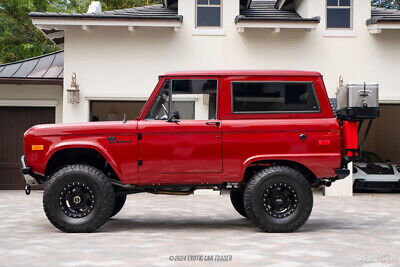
84, 154
251, 167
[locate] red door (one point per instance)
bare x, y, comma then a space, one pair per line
185, 147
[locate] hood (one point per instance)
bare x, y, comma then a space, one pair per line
88, 128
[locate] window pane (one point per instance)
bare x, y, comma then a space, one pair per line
202, 94
273, 97
344, 2
208, 16
202, 2
185, 108
215, 2
338, 17
114, 110
332, 2
160, 107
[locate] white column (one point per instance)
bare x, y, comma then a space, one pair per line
341, 188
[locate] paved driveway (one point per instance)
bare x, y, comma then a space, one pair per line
150, 229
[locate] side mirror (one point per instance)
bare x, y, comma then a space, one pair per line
175, 117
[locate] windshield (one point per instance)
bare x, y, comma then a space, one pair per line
160, 107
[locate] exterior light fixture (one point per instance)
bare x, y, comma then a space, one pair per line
73, 91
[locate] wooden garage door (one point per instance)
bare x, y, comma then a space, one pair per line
14, 121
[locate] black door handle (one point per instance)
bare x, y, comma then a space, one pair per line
216, 123
303, 136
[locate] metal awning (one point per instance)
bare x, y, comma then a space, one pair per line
46, 69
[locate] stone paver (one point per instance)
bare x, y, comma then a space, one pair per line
354, 231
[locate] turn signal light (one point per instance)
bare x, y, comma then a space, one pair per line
37, 147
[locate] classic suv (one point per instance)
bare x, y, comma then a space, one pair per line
266, 136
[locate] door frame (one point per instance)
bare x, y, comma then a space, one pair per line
28, 103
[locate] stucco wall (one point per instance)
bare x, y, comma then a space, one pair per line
114, 62
34, 95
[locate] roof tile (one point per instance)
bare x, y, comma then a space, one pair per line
266, 11
383, 15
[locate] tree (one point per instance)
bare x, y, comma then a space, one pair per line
20, 39
392, 4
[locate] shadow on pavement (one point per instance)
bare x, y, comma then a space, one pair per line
123, 224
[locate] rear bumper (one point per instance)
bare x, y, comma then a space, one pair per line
27, 173
342, 173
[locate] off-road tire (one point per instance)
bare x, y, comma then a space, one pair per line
254, 197
103, 200
237, 202
119, 204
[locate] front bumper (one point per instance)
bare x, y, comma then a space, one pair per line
27, 173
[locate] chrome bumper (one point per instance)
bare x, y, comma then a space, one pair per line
26, 172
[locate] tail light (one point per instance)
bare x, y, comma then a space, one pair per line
350, 140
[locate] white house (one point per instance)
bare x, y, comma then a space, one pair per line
118, 55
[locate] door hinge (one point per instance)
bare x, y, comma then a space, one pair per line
139, 136
139, 163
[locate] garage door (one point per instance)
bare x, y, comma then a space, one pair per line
14, 121
383, 138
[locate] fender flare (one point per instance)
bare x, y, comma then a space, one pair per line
79, 144
288, 158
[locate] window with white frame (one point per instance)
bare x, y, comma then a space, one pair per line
339, 14
208, 13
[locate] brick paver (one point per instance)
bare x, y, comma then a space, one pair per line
354, 231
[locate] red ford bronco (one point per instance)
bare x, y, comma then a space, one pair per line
266, 136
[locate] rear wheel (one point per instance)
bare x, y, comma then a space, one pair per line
119, 204
278, 199
237, 202
78, 198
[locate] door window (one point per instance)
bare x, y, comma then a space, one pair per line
194, 99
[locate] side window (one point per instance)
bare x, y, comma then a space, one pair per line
273, 97
208, 13
194, 100
201, 93
338, 14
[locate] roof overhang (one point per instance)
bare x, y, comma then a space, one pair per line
53, 26
38, 81
276, 25
59, 23
376, 26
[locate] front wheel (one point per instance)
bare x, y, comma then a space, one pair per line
78, 198
237, 202
119, 204
278, 199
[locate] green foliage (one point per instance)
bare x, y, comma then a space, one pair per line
392, 4
19, 39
